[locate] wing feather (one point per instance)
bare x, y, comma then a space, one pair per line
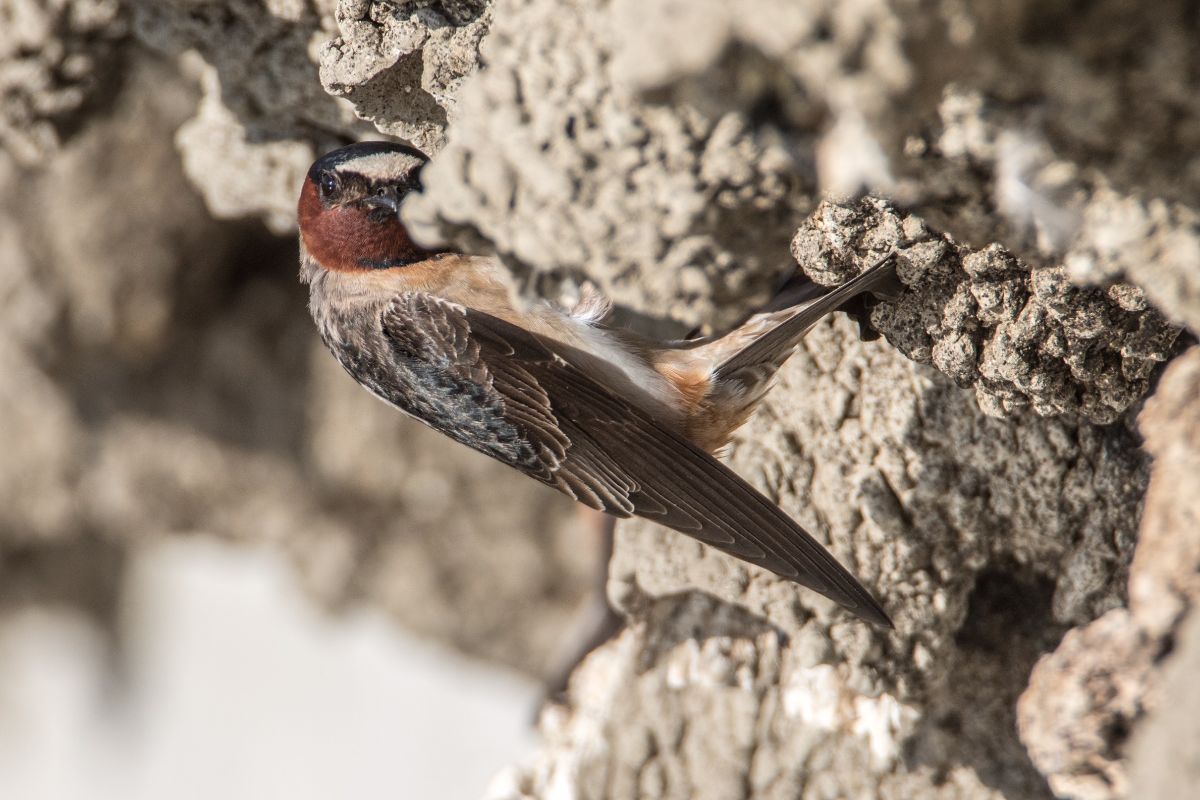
532, 403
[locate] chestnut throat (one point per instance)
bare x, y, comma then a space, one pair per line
350, 239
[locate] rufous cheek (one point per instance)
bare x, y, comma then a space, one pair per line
346, 239
310, 215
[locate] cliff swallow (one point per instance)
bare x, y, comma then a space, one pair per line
618, 422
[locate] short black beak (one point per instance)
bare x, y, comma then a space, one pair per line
387, 201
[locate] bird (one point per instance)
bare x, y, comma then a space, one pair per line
622, 423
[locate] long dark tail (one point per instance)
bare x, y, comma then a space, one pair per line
776, 345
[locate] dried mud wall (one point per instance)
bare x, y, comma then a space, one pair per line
1009, 467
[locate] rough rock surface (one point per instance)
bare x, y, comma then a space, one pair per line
1154, 243
566, 174
978, 467
1022, 336
53, 56
1087, 697
1163, 759
420, 50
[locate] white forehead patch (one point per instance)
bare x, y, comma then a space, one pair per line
381, 167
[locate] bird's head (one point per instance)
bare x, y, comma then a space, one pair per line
349, 210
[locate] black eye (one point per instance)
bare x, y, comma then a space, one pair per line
328, 183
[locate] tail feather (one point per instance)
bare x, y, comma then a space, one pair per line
774, 346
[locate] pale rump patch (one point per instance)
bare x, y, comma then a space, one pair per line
692, 382
713, 412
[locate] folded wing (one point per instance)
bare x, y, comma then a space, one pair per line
530, 402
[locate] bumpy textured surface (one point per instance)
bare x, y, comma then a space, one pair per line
52, 57
977, 467
1154, 243
1163, 756
1086, 698
1021, 336
564, 173
420, 50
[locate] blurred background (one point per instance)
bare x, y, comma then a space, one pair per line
225, 570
